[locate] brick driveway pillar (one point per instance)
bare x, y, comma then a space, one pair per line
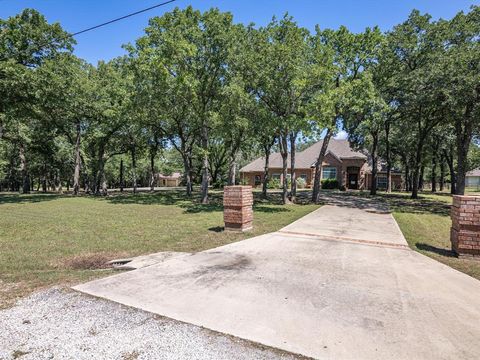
237, 208
465, 231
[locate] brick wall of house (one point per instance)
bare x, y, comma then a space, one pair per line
364, 179
331, 161
360, 164
396, 181
249, 178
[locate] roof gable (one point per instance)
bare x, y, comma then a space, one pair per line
307, 158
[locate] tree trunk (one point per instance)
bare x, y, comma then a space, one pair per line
284, 153
442, 173
293, 178
451, 168
122, 181
462, 153
100, 182
464, 131
205, 174
407, 176
24, 170
318, 167
188, 174
373, 187
44, 178
76, 173
416, 169
153, 153
232, 170
388, 157
434, 172
421, 178
266, 178
58, 182
134, 168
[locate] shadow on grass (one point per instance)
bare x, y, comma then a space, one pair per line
6, 198
403, 204
433, 249
398, 202
192, 205
217, 229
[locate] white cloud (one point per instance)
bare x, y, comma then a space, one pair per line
341, 135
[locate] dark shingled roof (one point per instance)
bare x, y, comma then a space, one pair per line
308, 157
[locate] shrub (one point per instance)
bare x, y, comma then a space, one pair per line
219, 184
301, 183
274, 184
330, 184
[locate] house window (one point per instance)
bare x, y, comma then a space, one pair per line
276, 176
258, 180
329, 173
304, 177
382, 182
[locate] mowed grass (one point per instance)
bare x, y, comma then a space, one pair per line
426, 223
48, 239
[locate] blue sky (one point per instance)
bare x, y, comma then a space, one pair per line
105, 43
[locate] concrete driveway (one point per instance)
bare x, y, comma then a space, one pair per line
339, 283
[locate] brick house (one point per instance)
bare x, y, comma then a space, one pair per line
350, 168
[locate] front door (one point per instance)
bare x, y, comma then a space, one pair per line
353, 181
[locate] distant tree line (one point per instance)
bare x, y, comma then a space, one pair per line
201, 94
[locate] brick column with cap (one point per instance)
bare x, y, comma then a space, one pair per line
465, 231
237, 208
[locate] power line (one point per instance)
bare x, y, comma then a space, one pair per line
121, 18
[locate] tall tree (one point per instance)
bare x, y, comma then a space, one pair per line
364, 118
279, 63
193, 48
26, 41
66, 98
460, 71
414, 47
350, 55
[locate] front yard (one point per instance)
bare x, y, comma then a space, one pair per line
426, 223
51, 239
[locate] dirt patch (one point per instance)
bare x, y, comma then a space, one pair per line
90, 261
131, 355
9, 292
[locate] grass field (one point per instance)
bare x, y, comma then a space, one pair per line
51, 239
426, 223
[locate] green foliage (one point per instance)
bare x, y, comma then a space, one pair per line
217, 94
330, 184
301, 183
274, 184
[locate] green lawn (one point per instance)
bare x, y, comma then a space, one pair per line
51, 239
426, 223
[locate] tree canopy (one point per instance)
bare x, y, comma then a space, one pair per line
201, 95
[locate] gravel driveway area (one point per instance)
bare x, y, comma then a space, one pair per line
62, 324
